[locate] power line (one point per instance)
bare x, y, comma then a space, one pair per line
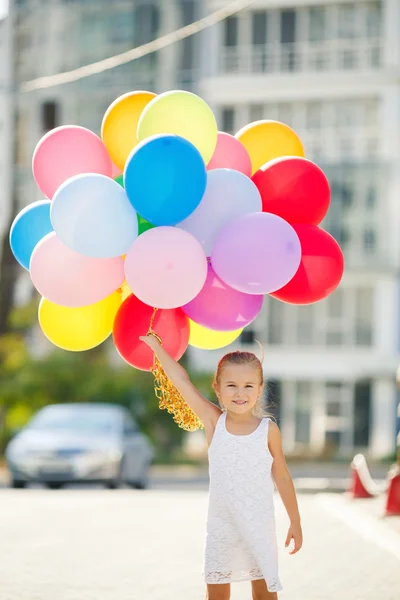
135, 53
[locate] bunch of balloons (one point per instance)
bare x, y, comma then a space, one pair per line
165, 212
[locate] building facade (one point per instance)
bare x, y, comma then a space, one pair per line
328, 69
6, 114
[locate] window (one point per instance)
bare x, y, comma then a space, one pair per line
122, 26
333, 439
228, 120
288, 38
373, 19
256, 112
288, 26
335, 305
276, 322
305, 324
147, 22
247, 337
369, 240
303, 411
364, 316
347, 22
187, 46
314, 115
371, 197
334, 400
362, 412
286, 113
259, 24
317, 24
50, 115
231, 31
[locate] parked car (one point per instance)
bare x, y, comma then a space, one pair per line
69, 443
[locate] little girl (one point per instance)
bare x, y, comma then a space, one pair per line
244, 451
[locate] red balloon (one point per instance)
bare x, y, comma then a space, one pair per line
293, 188
133, 319
320, 271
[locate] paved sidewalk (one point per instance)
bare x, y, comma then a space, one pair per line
80, 544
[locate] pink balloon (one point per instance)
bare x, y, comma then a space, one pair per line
66, 151
257, 253
70, 279
230, 154
166, 267
220, 307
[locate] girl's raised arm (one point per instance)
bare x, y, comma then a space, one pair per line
206, 411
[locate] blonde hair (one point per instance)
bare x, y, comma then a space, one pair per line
260, 410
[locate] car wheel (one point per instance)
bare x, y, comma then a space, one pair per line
17, 484
116, 483
54, 485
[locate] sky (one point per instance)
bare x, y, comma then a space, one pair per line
3, 8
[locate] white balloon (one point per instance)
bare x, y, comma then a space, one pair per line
229, 194
92, 215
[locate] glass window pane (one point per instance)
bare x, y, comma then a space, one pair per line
259, 25
335, 304
231, 31
369, 240
362, 413
305, 324
373, 19
275, 329
146, 23
288, 26
228, 120
303, 411
316, 23
256, 112
347, 21
314, 115
364, 315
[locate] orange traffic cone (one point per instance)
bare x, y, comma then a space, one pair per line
393, 494
362, 484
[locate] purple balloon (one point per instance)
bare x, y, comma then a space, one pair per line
257, 253
220, 307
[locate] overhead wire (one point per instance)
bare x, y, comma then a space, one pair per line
138, 52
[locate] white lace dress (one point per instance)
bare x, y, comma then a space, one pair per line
241, 540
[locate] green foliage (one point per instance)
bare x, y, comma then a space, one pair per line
27, 384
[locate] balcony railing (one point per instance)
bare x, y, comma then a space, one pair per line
333, 55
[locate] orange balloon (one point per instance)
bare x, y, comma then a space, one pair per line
265, 140
118, 129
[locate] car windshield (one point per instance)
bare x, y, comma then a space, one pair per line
77, 419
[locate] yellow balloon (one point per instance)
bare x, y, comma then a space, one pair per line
126, 290
207, 339
181, 113
118, 129
265, 140
82, 328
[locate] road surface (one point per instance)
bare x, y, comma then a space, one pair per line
95, 544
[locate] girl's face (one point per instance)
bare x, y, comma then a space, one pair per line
239, 387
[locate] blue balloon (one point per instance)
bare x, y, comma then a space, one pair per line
28, 228
92, 215
165, 179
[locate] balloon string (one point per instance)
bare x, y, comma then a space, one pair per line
168, 396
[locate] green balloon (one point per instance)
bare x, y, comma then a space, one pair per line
143, 224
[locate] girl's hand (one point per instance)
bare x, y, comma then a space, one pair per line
150, 340
295, 533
